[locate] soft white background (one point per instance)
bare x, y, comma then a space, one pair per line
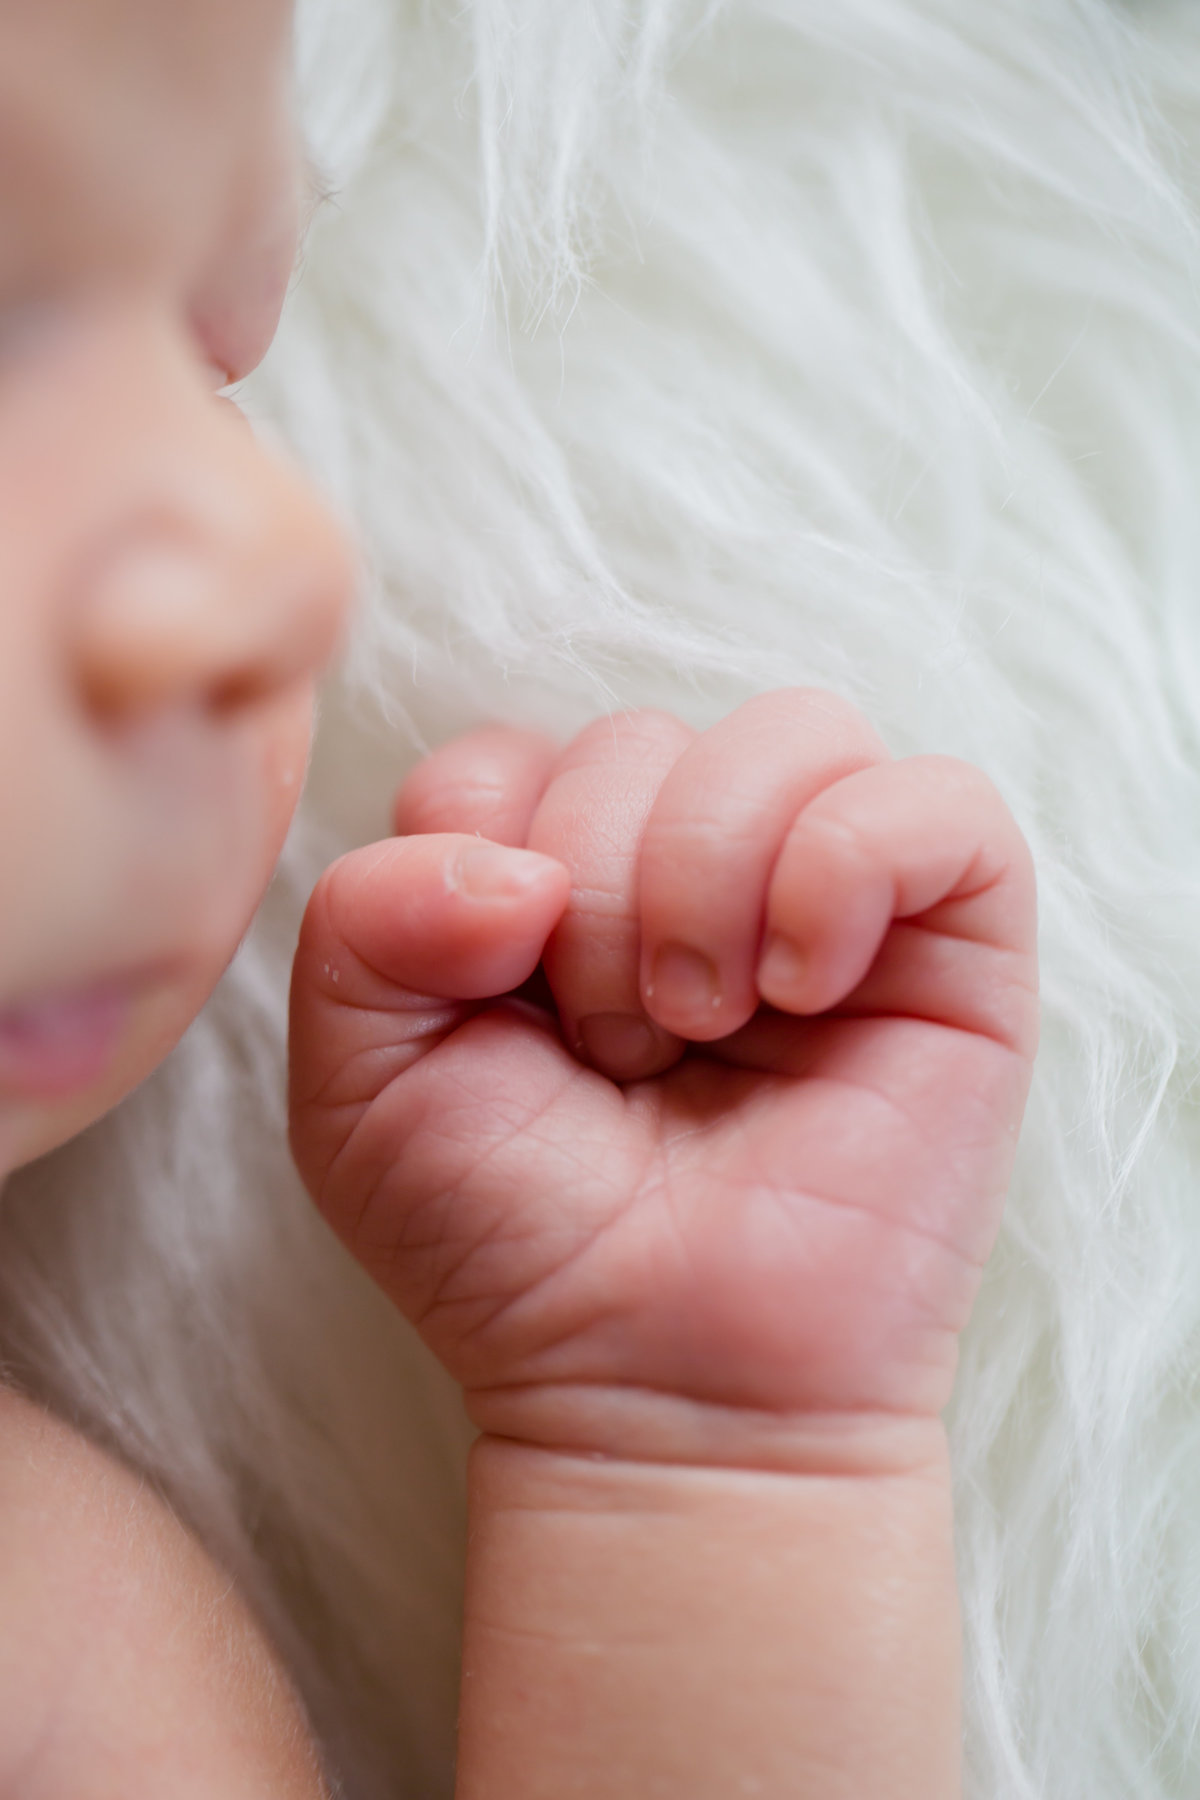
663, 352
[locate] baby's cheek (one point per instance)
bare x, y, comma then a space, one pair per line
276, 756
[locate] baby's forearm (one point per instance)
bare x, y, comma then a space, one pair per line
649, 1629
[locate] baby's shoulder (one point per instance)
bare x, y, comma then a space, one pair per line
128, 1662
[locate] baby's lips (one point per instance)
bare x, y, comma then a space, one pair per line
58, 1044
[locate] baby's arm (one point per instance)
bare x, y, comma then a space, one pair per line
703, 1295
129, 1669
636, 1628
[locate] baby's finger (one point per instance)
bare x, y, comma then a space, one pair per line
395, 939
929, 841
710, 843
591, 818
489, 782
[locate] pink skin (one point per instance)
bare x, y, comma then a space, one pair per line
170, 589
753, 1228
169, 594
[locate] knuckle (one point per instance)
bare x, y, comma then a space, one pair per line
480, 766
434, 802
954, 773
615, 736
673, 838
831, 831
814, 709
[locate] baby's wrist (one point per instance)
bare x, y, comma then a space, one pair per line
707, 1630
652, 1428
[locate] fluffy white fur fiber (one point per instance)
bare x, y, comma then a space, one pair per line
662, 352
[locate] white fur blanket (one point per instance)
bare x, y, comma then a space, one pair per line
664, 351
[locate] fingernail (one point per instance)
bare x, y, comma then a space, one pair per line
621, 1044
494, 872
683, 980
782, 965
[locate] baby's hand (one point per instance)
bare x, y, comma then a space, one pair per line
731, 1199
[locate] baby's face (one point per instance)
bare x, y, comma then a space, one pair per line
167, 589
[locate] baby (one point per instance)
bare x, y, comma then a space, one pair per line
169, 593
669, 1083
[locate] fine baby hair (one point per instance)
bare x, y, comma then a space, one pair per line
663, 355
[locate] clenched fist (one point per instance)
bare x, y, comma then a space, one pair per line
718, 1182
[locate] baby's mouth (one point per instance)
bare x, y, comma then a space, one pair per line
56, 1044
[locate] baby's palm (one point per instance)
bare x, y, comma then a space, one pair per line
778, 1207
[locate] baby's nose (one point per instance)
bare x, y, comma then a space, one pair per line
230, 581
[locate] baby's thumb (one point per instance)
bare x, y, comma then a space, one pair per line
399, 942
